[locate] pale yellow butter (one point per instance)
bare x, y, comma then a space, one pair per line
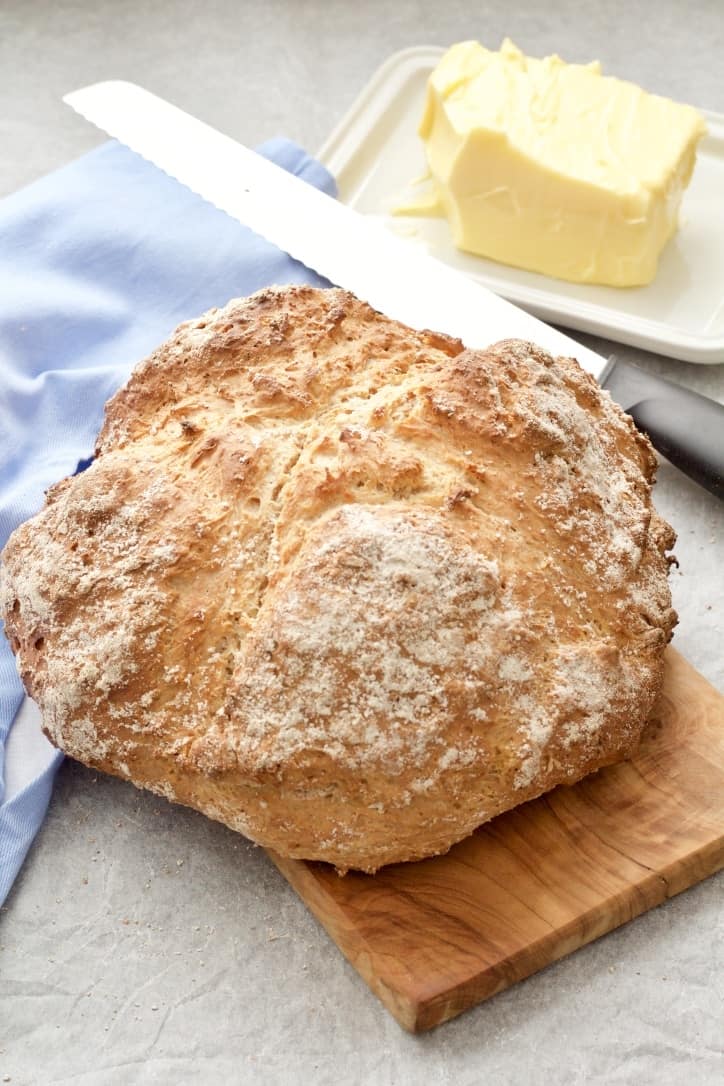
554, 167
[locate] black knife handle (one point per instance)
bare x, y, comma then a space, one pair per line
686, 428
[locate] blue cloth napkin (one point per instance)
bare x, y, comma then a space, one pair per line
98, 264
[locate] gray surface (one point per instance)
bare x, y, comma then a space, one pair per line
144, 944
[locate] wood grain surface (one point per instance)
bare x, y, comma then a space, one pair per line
435, 937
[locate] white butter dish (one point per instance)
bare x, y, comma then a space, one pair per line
375, 154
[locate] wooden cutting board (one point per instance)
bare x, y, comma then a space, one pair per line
435, 937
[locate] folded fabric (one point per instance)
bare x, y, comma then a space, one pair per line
98, 263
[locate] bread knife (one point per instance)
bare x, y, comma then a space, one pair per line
364, 257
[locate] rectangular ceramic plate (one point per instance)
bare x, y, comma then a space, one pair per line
376, 155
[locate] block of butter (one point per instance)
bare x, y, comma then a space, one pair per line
554, 167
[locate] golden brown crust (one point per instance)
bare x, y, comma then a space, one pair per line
349, 588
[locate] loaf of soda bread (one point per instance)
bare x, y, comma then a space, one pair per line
346, 587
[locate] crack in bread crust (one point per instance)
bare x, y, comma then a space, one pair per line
347, 587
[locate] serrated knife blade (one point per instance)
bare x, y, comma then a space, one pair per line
346, 247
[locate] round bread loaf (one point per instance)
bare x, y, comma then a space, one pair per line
347, 587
